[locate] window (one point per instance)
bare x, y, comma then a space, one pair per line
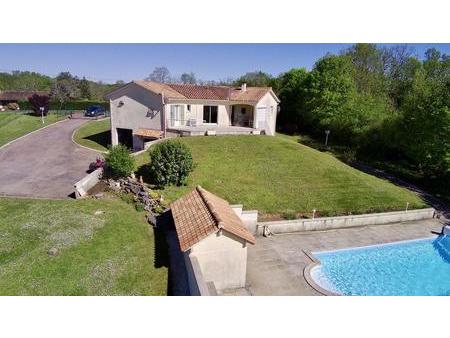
188, 107
177, 115
210, 114
243, 111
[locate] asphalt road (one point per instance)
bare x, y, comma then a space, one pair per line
44, 164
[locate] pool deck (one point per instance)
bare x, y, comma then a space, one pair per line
275, 264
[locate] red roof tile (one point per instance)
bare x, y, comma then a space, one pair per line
201, 213
196, 92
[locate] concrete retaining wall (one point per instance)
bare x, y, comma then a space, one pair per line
87, 182
248, 217
326, 223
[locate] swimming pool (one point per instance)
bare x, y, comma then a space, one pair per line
408, 268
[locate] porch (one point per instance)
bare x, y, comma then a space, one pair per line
213, 130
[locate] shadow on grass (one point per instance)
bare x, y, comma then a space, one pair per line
144, 171
164, 224
103, 138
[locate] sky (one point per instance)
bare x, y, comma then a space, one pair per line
112, 62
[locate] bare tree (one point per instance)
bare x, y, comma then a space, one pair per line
159, 74
188, 78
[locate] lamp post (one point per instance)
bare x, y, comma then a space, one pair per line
327, 132
42, 113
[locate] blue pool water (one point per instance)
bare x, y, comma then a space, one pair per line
409, 268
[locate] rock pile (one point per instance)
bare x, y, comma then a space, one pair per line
151, 201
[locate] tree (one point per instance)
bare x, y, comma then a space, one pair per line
368, 69
294, 115
38, 101
256, 79
331, 94
64, 89
159, 74
425, 123
188, 78
85, 89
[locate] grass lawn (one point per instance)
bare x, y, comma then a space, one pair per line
282, 178
14, 125
112, 253
94, 134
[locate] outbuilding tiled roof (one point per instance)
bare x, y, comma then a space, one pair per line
196, 92
201, 213
149, 133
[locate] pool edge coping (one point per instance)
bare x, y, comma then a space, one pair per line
308, 278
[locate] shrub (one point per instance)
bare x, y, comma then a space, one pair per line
38, 101
170, 163
119, 162
139, 207
349, 155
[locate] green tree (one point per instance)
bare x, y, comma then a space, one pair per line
257, 79
425, 122
85, 89
294, 115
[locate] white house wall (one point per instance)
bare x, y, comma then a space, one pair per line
196, 111
140, 109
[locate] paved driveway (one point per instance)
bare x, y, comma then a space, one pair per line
44, 164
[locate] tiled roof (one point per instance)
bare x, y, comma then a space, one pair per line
196, 92
148, 133
17, 95
201, 213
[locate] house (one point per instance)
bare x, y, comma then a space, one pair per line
14, 96
142, 111
213, 241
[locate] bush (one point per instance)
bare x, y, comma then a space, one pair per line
70, 105
37, 101
170, 163
119, 162
140, 207
349, 155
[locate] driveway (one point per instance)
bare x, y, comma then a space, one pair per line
44, 164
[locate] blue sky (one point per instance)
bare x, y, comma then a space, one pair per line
112, 62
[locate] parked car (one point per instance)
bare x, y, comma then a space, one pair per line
94, 111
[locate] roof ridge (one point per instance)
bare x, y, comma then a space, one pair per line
202, 192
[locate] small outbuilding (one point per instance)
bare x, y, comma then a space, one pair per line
213, 240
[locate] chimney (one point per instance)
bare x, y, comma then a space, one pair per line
244, 87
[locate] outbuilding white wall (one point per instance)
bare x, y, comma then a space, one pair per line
222, 259
140, 109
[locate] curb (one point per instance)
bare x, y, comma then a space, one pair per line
79, 145
32, 132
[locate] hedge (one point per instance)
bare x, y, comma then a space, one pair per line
72, 105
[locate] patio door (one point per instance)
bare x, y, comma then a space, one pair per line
176, 115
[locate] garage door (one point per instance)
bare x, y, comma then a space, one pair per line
261, 117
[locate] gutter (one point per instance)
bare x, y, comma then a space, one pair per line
163, 115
